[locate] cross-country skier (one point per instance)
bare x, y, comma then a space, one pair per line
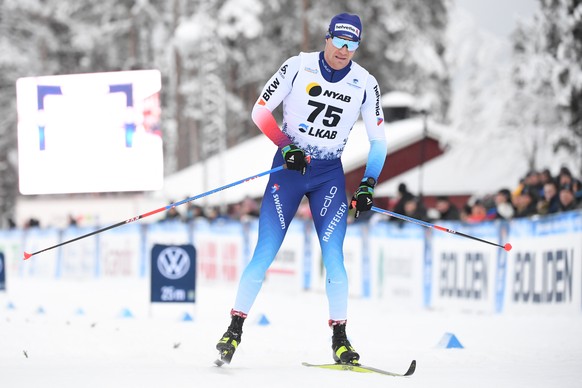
323, 94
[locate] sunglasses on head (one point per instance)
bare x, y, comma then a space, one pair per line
341, 42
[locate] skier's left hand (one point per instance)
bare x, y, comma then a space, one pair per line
362, 199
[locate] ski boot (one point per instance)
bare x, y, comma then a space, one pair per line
343, 352
230, 340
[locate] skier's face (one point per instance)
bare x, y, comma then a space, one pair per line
337, 58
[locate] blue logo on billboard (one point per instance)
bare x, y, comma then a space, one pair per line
173, 273
173, 262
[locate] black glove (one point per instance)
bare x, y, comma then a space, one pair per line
294, 158
363, 197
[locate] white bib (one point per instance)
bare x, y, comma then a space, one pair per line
319, 115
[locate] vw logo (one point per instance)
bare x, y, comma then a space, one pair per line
173, 262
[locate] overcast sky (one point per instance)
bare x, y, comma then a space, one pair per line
498, 16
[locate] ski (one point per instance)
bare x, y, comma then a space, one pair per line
224, 357
364, 368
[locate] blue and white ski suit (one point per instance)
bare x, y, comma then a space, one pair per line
320, 107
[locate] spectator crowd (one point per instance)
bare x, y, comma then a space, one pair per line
538, 193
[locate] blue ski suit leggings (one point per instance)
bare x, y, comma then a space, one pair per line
324, 186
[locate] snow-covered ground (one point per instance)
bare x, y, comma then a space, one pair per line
74, 334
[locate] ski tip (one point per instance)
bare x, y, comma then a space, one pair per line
27, 255
411, 368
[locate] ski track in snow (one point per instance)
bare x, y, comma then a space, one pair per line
82, 340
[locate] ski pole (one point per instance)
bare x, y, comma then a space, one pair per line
168, 207
507, 246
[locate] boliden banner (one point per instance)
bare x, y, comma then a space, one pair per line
173, 273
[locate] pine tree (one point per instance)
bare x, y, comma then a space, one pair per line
566, 31
547, 79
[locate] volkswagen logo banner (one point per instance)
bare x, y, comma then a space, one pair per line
173, 273
2, 272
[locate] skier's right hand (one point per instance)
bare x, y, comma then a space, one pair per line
294, 158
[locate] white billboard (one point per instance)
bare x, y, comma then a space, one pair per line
83, 133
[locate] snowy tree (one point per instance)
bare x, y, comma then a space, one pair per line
248, 39
404, 46
568, 73
547, 76
33, 41
532, 112
480, 79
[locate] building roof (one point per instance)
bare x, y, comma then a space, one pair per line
466, 168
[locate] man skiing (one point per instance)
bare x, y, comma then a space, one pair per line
323, 94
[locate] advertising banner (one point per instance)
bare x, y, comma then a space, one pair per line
397, 252
2, 273
173, 274
119, 253
544, 268
221, 247
463, 272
